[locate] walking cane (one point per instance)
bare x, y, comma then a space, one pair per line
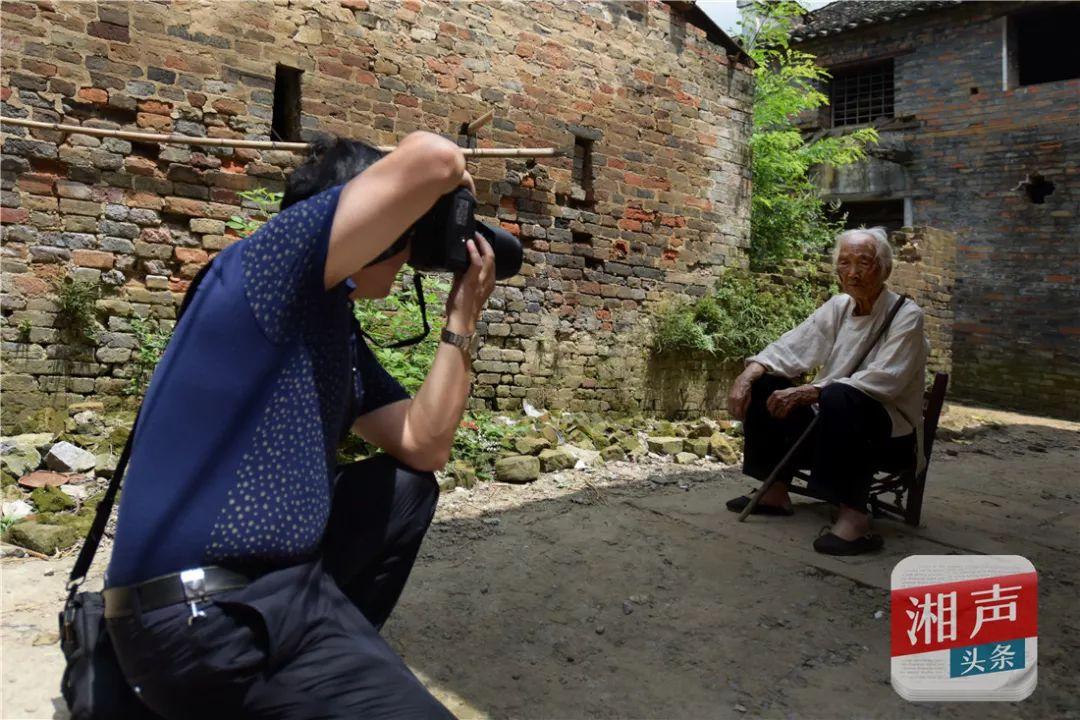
776, 470
813, 423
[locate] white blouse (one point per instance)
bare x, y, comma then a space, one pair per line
832, 339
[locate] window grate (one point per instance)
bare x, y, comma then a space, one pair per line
861, 95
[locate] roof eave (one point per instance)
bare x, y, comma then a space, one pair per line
693, 14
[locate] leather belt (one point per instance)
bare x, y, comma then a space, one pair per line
189, 586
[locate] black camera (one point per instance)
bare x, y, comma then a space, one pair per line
438, 238
438, 245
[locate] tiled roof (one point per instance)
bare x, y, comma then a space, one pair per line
846, 15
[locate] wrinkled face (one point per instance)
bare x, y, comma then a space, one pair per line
861, 275
376, 281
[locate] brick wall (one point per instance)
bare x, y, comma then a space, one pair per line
1017, 336
665, 108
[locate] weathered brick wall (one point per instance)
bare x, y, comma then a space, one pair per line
666, 109
1017, 338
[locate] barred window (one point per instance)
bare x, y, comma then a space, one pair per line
861, 95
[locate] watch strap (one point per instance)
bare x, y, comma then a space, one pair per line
459, 341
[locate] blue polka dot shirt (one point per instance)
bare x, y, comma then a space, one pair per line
234, 454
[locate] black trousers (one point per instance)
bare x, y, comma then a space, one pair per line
300, 642
851, 441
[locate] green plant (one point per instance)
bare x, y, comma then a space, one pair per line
397, 317
787, 215
24, 331
744, 313
266, 203
152, 339
481, 438
676, 329
76, 314
7, 522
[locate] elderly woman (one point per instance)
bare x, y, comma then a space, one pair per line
869, 415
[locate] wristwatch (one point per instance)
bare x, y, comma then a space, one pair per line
464, 342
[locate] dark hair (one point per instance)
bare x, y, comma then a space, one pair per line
330, 162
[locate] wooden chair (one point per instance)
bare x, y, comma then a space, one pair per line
903, 483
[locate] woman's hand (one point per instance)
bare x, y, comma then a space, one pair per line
472, 288
739, 396
782, 402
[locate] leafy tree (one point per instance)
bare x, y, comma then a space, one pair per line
787, 215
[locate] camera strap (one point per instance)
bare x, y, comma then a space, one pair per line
104, 508
418, 285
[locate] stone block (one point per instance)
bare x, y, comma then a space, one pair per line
517, 469
65, 457
664, 445
207, 226
556, 459
45, 539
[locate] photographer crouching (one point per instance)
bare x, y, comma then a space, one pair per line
250, 575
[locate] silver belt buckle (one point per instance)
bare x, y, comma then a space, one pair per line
194, 582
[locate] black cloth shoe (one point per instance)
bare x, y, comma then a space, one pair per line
736, 505
829, 544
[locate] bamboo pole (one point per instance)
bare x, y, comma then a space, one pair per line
501, 152
479, 122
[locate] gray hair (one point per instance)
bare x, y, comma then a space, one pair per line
882, 248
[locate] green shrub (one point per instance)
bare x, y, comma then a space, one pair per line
76, 316
152, 339
397, 317
744, 313
24, 331
676, 329
480, 440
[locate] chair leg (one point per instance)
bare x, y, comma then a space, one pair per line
913, 513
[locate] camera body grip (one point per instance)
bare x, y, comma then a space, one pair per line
439, 237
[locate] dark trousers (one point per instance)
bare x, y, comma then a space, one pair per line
300, 642
851, 441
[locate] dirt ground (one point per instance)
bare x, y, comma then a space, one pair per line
629, 591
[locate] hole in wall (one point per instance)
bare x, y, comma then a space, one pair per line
581, 192
285, 124
1036, 187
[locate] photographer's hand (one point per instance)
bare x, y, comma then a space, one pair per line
467, 182
420, 431
472, 288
